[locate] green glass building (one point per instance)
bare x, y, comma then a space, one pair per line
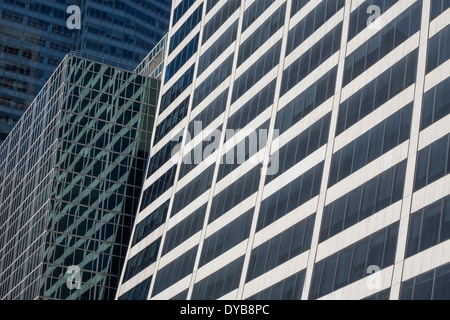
71, 173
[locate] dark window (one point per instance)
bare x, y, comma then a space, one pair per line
186, 28
438, 49
437, 7
436, 104
150, 223
254, 11
141, 260
219, 18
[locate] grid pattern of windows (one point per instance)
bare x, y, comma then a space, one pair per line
291, 97
181, 9
176, 89
158, 187
71, 173
175, 117
184, 55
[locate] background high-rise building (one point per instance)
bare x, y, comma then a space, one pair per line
34, 38
359, 93
71, 173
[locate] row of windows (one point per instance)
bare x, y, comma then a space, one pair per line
363, 202
362, 15
306, 102
186, 28
244, 150
258, 70
429, 227
366, 148
158, 187
219, 18
181, 296
235, 193
212, 82
181, 9
193, 190
352, 263
161, 157
184, 229
226, 238
217, 48
287, 289
140, 292
386, 86
262, 34
174, 118
141, 260
311, 59
433, 163
312, 22
209, 114
177, 89
254, 12
431, 285
185, 54
175, 271
386, 40
220, 282
436, 104
297, 5
293, 195
307, 142
437, 7
150, 223
281, 248
438, 49
254, 107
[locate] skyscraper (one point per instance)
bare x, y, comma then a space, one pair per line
351, 178
71, 173
34, 38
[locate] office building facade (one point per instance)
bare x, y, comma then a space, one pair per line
345, 197
71, 173
34, 38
